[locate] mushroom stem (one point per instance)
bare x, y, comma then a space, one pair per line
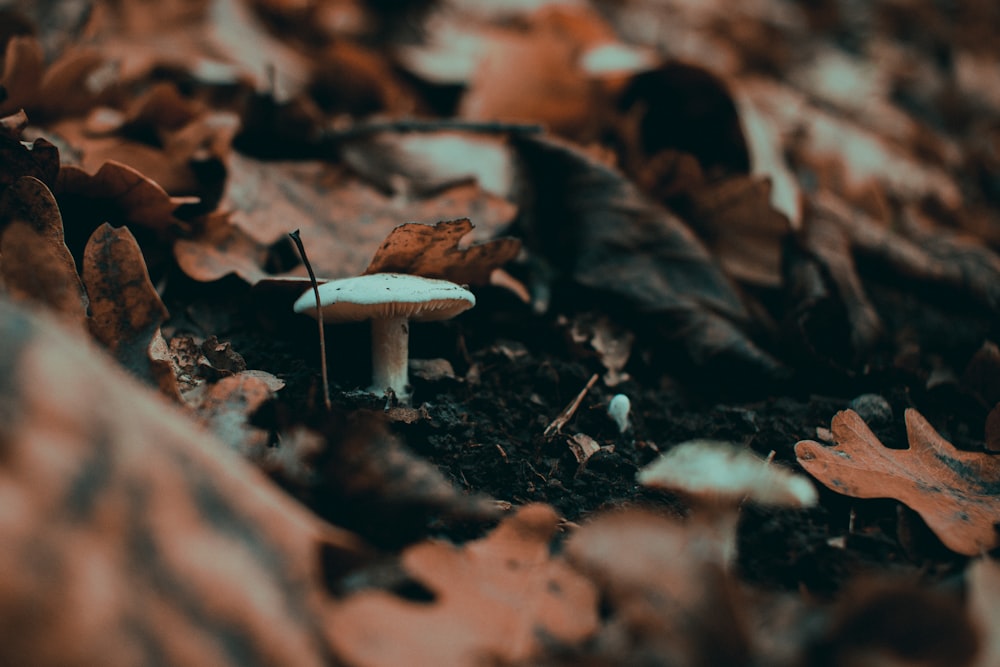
391, 356
716, 522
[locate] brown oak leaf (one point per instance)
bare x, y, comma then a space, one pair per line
493, 599
432, 251
137, 537
37, 266
125, 310
957, 493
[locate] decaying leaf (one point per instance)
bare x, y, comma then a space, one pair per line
226, 406
137, 537
120, 188
38, 158
126, 312
371, 482
428, 162
37, 266
957, 493
342, 218
432, 251
219, 249
494, 599
593, 227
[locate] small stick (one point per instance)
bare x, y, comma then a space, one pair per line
358, 130
569, 410
319, 319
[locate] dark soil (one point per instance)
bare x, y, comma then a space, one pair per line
515, 372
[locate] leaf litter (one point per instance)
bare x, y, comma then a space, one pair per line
804, 212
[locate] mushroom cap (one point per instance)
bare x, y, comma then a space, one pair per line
382, 295
723, 472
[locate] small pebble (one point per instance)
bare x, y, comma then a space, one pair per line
874, 409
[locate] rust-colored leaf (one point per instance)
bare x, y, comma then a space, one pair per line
494, 599
125, 310
343, 218
23, 64
37, 266
957, 493
226, 406
138, 538
38, 158
433, 251
135, 197
221, 248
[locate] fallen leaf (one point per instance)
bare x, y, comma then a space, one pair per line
125, 193
38, 158
125, 310
226, 406
342, 219
428, 162
957, 493
493, 600
131, 519
23, 65
736, 219
37, 266
593, 227
221, 248
370, 481
433, 251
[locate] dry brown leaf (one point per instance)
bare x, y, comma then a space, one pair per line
37, 266
226, 406
125, 310
221, 248
957, 493
432, 251
494, 599
197, 35
136, 198
23, 65
532, 78
739, 224
137, 537
371, 482
38, 158
342, 219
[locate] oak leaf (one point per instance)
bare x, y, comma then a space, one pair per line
956, 492
432, 251
126, 311
137, 537
37, 266
494, 598
127, 194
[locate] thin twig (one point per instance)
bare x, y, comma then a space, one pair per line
569, 410
319, 318
358, 130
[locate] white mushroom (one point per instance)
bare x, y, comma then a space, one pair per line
715, 478
390, 301
618, 409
